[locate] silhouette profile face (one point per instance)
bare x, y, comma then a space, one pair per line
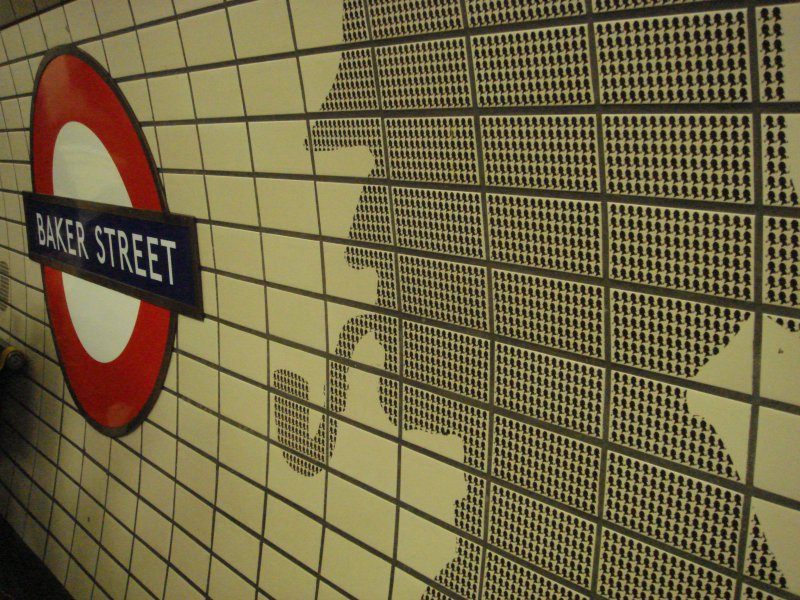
532, 311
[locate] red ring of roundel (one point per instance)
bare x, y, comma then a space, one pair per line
117, 395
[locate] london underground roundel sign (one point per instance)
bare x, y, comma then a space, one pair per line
86, 145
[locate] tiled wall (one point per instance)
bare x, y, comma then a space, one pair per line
503, 301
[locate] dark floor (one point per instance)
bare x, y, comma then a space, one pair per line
22, 574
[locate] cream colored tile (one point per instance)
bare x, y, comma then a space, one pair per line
319, 72
186, 195
244, 403
23, 79
224, 583
136, 591
781, 528
97, 51
172, 98
193, 514
240, 499
198, 382
366, 457
200, 338
243, 452
190, 557
344, 281
121, 502
293, 262
243, 303
32, 36
138, 96
217, 93
159, 489
287, 204
238, 251
777, 440
117, 540
124, 56
152, 527
294, 532
160, 448
780, 353
232, 199
250, 20
56, 30
424, 546
178, 588
111, 576
196, 472
206, 38
81, 19
283, 579
180, 147
225, 147
12, 42
112, 15
161, 47
361, 514
6, 82
205, 245
145, 11
78, 583
297, 318
182, 6
243, 353
148, 568
165, 410
317, 23
209, 285
280, 147
354, 569
196, 427
236, 546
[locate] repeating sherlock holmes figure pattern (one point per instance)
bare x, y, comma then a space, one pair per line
502, 300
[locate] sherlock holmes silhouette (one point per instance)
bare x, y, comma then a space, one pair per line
575, 471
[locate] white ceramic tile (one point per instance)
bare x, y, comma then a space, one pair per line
217, 93
186, 195
242, 500
362, 514
190, 557
161, 47
206, 38
293, 531
138, 96
236, 546
81, 19
317, 23
280, 147
293, 262
225, 147
777, 440
145, 11
248, 22
148, 568
32, 36
243, 353
113, 15
244, 403
297, 318
199, 382
196, 472
196, 427
124, 56
287, 204
179, 147
283, 579
193, 514
243, 452
354, 569
242, 303
232, 199
224, 581
171, 97
55, 27
238, 251
158, 488
319, 72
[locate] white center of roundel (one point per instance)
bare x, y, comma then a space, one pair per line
83, 169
